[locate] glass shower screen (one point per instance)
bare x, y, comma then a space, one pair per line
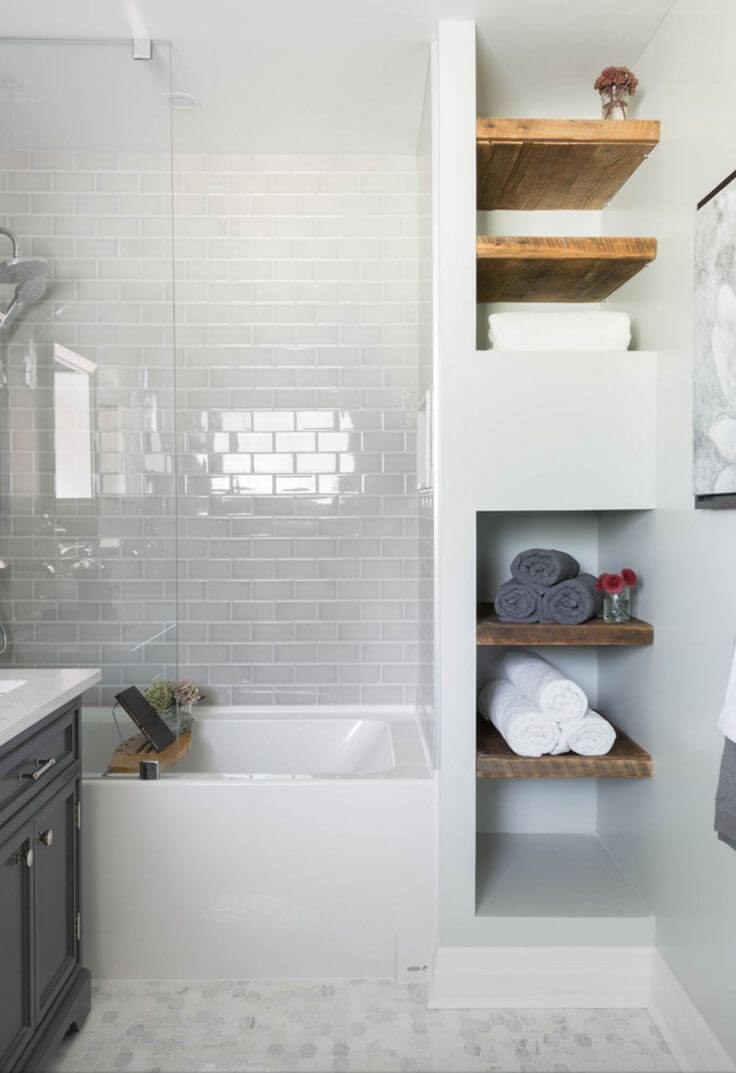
87, 374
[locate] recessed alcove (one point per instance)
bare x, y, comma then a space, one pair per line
541, 867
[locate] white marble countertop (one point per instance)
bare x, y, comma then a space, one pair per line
42, 692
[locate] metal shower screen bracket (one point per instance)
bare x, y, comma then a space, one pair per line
142, 48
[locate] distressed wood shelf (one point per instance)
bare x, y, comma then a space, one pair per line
491, 631
546, 269
558, 163
495, 760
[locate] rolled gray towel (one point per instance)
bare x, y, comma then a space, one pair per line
540, 568
517, 603
572, 601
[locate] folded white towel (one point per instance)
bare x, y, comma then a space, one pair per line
544, 685
526, 730
727, 720
592, 330
590, 736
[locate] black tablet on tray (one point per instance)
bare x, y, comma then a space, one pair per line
145, 717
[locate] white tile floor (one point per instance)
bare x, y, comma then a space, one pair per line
355, 1026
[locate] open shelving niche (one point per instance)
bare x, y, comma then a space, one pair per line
542, 873
576, 165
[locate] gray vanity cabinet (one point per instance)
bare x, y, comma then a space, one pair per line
55, 896
16, 946
44, 991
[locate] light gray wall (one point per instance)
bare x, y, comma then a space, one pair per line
289, 416
660, 830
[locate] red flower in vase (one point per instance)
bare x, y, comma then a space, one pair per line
612, 583
629, 577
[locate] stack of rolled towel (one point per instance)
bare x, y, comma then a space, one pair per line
547, 586
537, 710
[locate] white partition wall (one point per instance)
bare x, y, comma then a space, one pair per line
538, 449
455, 556
557, 430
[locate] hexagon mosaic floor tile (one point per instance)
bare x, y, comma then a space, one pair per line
354, 1026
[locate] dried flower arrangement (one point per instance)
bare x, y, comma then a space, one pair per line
186, 692
615, 85
615, 583
617, 76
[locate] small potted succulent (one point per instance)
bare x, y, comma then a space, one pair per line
616, 85
616, 589
173, 701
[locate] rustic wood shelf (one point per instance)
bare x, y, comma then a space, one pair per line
495, 760
544, 269
558, 163
491, 631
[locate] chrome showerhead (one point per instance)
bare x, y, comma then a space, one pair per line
30, 276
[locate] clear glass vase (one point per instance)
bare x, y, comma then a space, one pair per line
179, 719
615, 102
617, 606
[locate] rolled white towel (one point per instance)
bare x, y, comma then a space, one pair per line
525, 729
544, 685
584, 330
590, 736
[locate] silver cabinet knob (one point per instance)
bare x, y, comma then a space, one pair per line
46, 837
25, 856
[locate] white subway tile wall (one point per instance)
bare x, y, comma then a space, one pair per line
260, 487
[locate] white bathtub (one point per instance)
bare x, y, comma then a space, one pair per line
290, 844
247, 746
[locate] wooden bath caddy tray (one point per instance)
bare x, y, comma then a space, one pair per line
129, 753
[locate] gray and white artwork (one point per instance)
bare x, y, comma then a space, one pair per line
714, 399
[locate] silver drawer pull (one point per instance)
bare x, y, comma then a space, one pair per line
25, 856
46, 838
42, 766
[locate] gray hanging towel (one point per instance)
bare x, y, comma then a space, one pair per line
725, 824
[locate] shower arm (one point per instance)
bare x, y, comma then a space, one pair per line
13, 239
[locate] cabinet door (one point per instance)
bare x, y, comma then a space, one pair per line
17, 859
55, 866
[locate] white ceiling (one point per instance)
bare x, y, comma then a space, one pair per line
296, 76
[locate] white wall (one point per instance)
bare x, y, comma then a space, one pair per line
455, 555
660, 830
